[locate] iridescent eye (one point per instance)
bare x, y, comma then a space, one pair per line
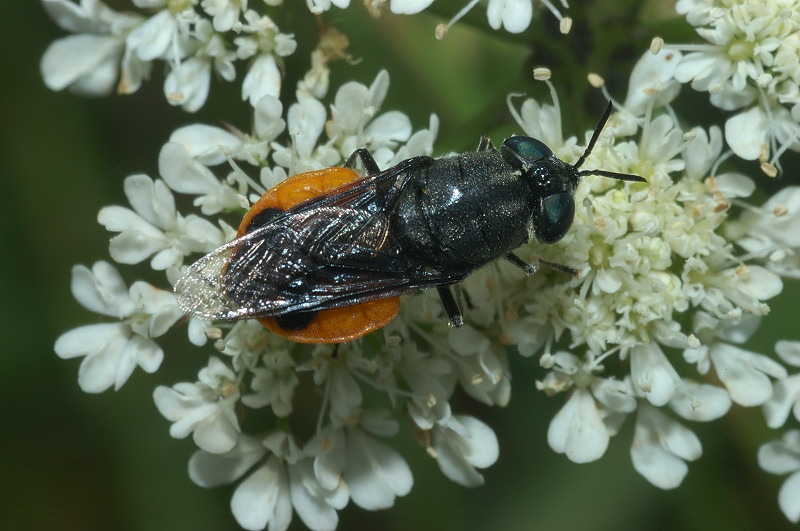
555, 217
520, 150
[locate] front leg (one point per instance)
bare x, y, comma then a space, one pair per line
367, 161
531, 269
485, 144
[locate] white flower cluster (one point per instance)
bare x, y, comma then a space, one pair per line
193, 38
751, 65
674, 273
681, 266
661, 277
513, 15
342, 458
198, 38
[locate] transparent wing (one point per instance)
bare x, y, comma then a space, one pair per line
201, 292
332, 251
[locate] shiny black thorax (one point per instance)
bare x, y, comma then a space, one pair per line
461, 212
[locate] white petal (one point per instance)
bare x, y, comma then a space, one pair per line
267, 119
659, 467
162, 321
307, 117
262, 498
183, 173
480, 444
467, 340
263, 79
463, 444
170, 401
202, 142
663, 135
388, 128
138, 239
379, 422
652, 374
452, 463
761, 283
567, 362
494, 13
216, 434
782, 455
146, 353
101, 290
197, 408
197, 332
784, 215
212, 470
701, 153
126, 361
282, 444
745, 374
788, 351
608, 280
153, 201
151, 39
652, 74
308, 501
166, 258
134, 72
345, 395
785, 397
733, 99
577, 429
149, 4
215, 372
350, 109
187, 415
87, 63
225, 14
660, 446
734, 185
87, 339
738, 331
700, 402
517, 15
503, 12
99, 369
187, 84
746, 133
330, 457
375, 473
119, 219
378, 89
700, 69
74, 18
161, 304
616, 395
131, 247
432, 384
409, 7
789, 498
200, 235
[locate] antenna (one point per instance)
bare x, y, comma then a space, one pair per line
614, 175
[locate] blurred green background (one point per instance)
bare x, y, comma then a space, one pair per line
84, 462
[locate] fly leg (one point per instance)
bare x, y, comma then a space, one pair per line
367, 162
530, 269
485, 144
451, 305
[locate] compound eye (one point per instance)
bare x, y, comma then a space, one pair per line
555, 217
519, 150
